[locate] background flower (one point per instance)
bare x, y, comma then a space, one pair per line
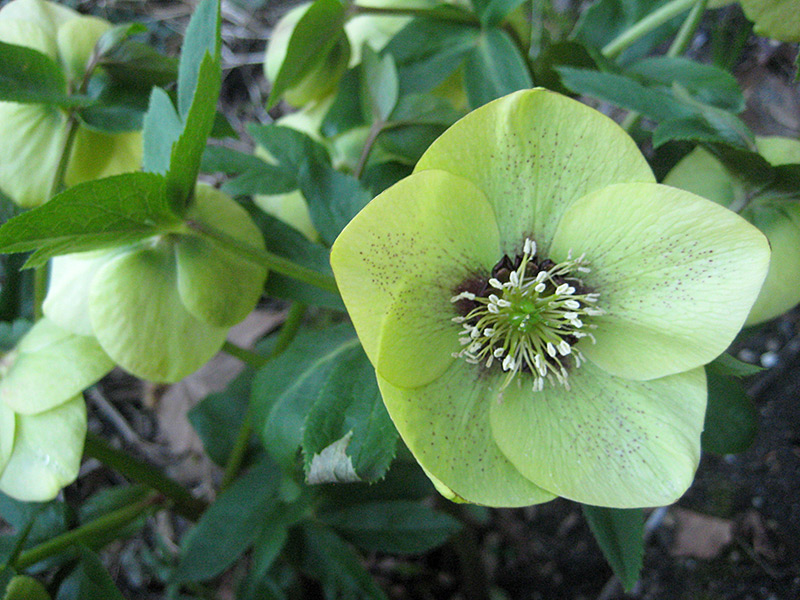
672, 275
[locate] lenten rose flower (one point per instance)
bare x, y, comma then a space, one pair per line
538, 310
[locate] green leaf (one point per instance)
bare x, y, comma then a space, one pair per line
202, 37
333, 197
725, 364
492, 12
328, 558
162, 128
230, 526
569, 54
382, 83
731, 420
117, 108
187, 151
285, 389
398, 527
494, 68
427, 50
623, 91
27, 75
115, 37
138, 65
286, 241
706, 83
96, 214
49, 519
289, 147
89, 581
251, 174
316, 33
110, 499
620, 534
348, 434
424, 109
218, 417
347, 111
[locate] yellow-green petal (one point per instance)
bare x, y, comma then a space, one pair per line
777, 19
47, 452
780, 222
398, 262
7, 428
533, 153
51, 365
677, 275
607, 441
140, 320
76, 39
445, 424
96, 154
67, 300
701, 173
217, 286
47, 16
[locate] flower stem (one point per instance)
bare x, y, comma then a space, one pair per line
248, 357
185, 504
110, 522
289, 330
374, 131
638, 30
259, 256
39, 290
688, 29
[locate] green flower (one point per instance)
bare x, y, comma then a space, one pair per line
42, 412
538, 310
34, 135
161, 308
700, 173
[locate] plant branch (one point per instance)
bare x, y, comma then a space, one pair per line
638, 30
265, 258
374, 131
287, 333
248, 357
110, 522
688, 29
185, 504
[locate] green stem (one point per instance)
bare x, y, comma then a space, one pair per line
688, 29
289, 330
185, 504
374, 131
652, 21
266, 258
110, 522
66, 151
248, 357
39, 290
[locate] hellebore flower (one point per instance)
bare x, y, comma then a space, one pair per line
34, 135
700, 173
42, 412
161, 308
538, 310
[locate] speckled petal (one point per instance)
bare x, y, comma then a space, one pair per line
446, 426
51, 366
533, 153
216, 285
47, 452
398, 263
607, 441
140, 320
676, 273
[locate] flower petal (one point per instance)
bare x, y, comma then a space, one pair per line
446, 426
401, 258
533, 153
96, 154
51, 366
216, 285
47, 452
781, 289
67, 300
7, 429
140, 320
676, 273
607, 441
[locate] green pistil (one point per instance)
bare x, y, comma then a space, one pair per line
531, 322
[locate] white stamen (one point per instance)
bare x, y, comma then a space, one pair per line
513, 278
540, 287
495, 283
564, 348
551, 349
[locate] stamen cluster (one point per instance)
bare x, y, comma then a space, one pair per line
528, 317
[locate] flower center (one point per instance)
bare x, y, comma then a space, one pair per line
528, 317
